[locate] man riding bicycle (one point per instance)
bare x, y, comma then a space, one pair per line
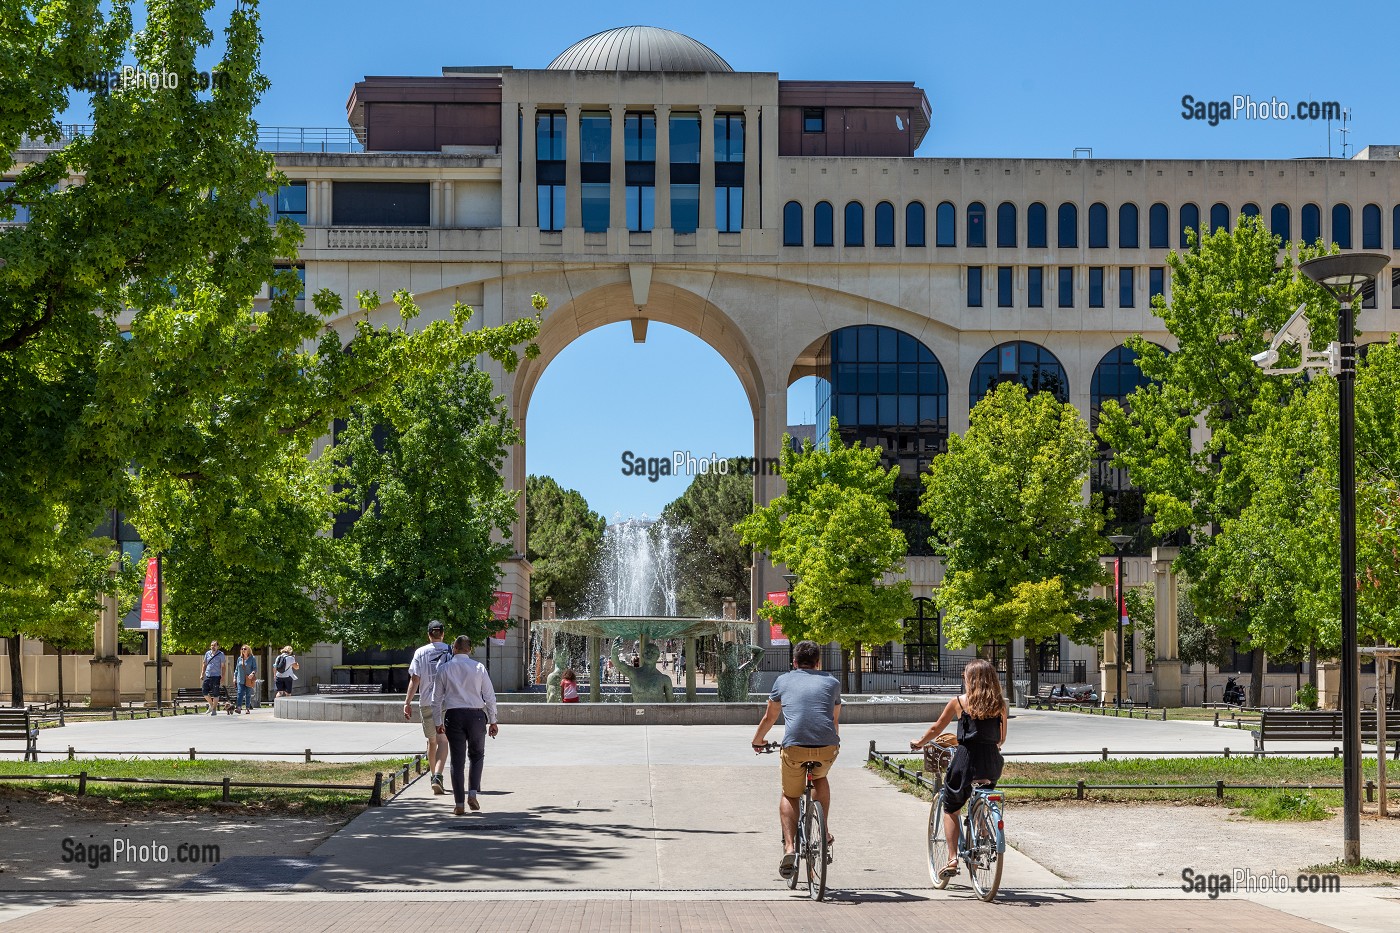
810, 703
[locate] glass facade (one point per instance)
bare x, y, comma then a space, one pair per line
1030, 364
729, 172
922, 638
639, 150
550, 130
685, 172
1116, 377
291, 202
595, 169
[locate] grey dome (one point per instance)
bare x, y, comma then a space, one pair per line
639, 48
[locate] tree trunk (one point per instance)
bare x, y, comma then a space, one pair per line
1256, 677
16, 675
1205, 683
1033, 667
845, 670
859, 667
1312, 664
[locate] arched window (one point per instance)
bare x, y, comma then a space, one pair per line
1069, 226
976, 224
823, 224
1117, 377
792, 224
1341, 225
1312, 224
884, 224
1098, 226
1021, 361
1190, 220
1035, 226
1395, 227
915, 227
946, 224
1249, 210
1127, 226
1158, 227
1371, 226
1006, 225
1280, 222
854, 226
1219, 217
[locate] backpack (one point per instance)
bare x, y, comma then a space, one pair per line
280, 664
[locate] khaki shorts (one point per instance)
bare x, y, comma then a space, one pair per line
795, 776
425, 713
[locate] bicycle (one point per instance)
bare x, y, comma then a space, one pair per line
982, 842
813, 851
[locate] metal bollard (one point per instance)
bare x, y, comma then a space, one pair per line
308, 756
82, 783
376, 794
226, 782
70, 753
1079, 788
191, 753
392, 775
1105, 753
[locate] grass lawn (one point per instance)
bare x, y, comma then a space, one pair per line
318, 799
1278, 773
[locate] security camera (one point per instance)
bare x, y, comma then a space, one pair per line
1294, 331
1265, 359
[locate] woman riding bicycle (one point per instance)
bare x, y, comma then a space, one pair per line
981, 713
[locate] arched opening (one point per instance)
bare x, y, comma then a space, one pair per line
1021, 361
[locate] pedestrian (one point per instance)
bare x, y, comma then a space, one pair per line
214, 660
464, 710
285, 668
568, 686
420, 679
245, 675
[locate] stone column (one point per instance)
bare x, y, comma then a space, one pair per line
663, 168
327, 212
106, 666
1108, 673
1166, 666
707, 168
516, 140
617, 174
753, 139
573, 205
529, 186
449, 204
691, 656
595, 683
770, 208
435, 205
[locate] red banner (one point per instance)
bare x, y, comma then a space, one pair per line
775, 631
501, 610
150, 595
1122, 600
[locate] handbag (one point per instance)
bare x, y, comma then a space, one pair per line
946, 740
252, 679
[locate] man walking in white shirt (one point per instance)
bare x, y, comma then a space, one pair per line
464, 710
420, 679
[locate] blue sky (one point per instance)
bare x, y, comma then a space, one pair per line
1007, 79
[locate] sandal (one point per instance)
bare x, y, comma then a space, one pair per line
950, 870
788, 866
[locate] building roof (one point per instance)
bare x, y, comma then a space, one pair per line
639, 48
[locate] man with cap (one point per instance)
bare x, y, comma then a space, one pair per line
420, 681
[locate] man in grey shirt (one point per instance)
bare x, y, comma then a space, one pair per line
810, 703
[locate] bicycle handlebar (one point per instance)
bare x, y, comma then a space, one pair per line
767, 748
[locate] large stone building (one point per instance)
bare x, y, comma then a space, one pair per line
638, 177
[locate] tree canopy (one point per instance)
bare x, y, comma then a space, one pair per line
563, 537
712, 561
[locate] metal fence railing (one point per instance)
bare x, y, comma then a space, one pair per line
270, 138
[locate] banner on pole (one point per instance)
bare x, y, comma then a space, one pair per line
1122, 602
150, 596
501, 610
775, 631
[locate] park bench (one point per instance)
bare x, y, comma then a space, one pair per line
346, 689
1319, 726
195, 695
15, 726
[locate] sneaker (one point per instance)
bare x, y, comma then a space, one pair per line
436, 783
458, 811
471, 802
213, 712
788, 866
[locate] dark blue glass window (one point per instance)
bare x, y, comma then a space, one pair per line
1004, 293
915, 227
1219, 217
976, 224
1125, 287
1030, 364
1249, 210
1190, 220
1098, 226
1280, 223
1371, 227
974, 286
1006, 225
1312, 224
1066, 286
888, 389
884, 224
685, 139
1156, 281
854, 227
1341, 225
1035, 226
946, 225
1069, 226
1096, 286
1035, 287
1395, 227
1116, 377
823, 224
792, 224
1158, 227
291, 202
1127, 226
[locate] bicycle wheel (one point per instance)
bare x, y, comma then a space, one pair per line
984, 861
937, 843
801, 820
814, 850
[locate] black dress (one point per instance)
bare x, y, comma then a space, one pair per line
976, 758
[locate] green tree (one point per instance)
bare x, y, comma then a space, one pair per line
712, 560
1019, 544
1198, 641
564, 536
832, 528
422, 466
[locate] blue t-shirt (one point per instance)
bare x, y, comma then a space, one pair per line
809, 698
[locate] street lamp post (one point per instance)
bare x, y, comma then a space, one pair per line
1120, 614
1344, 275
791, 580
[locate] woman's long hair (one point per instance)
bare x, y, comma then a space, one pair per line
984, 699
